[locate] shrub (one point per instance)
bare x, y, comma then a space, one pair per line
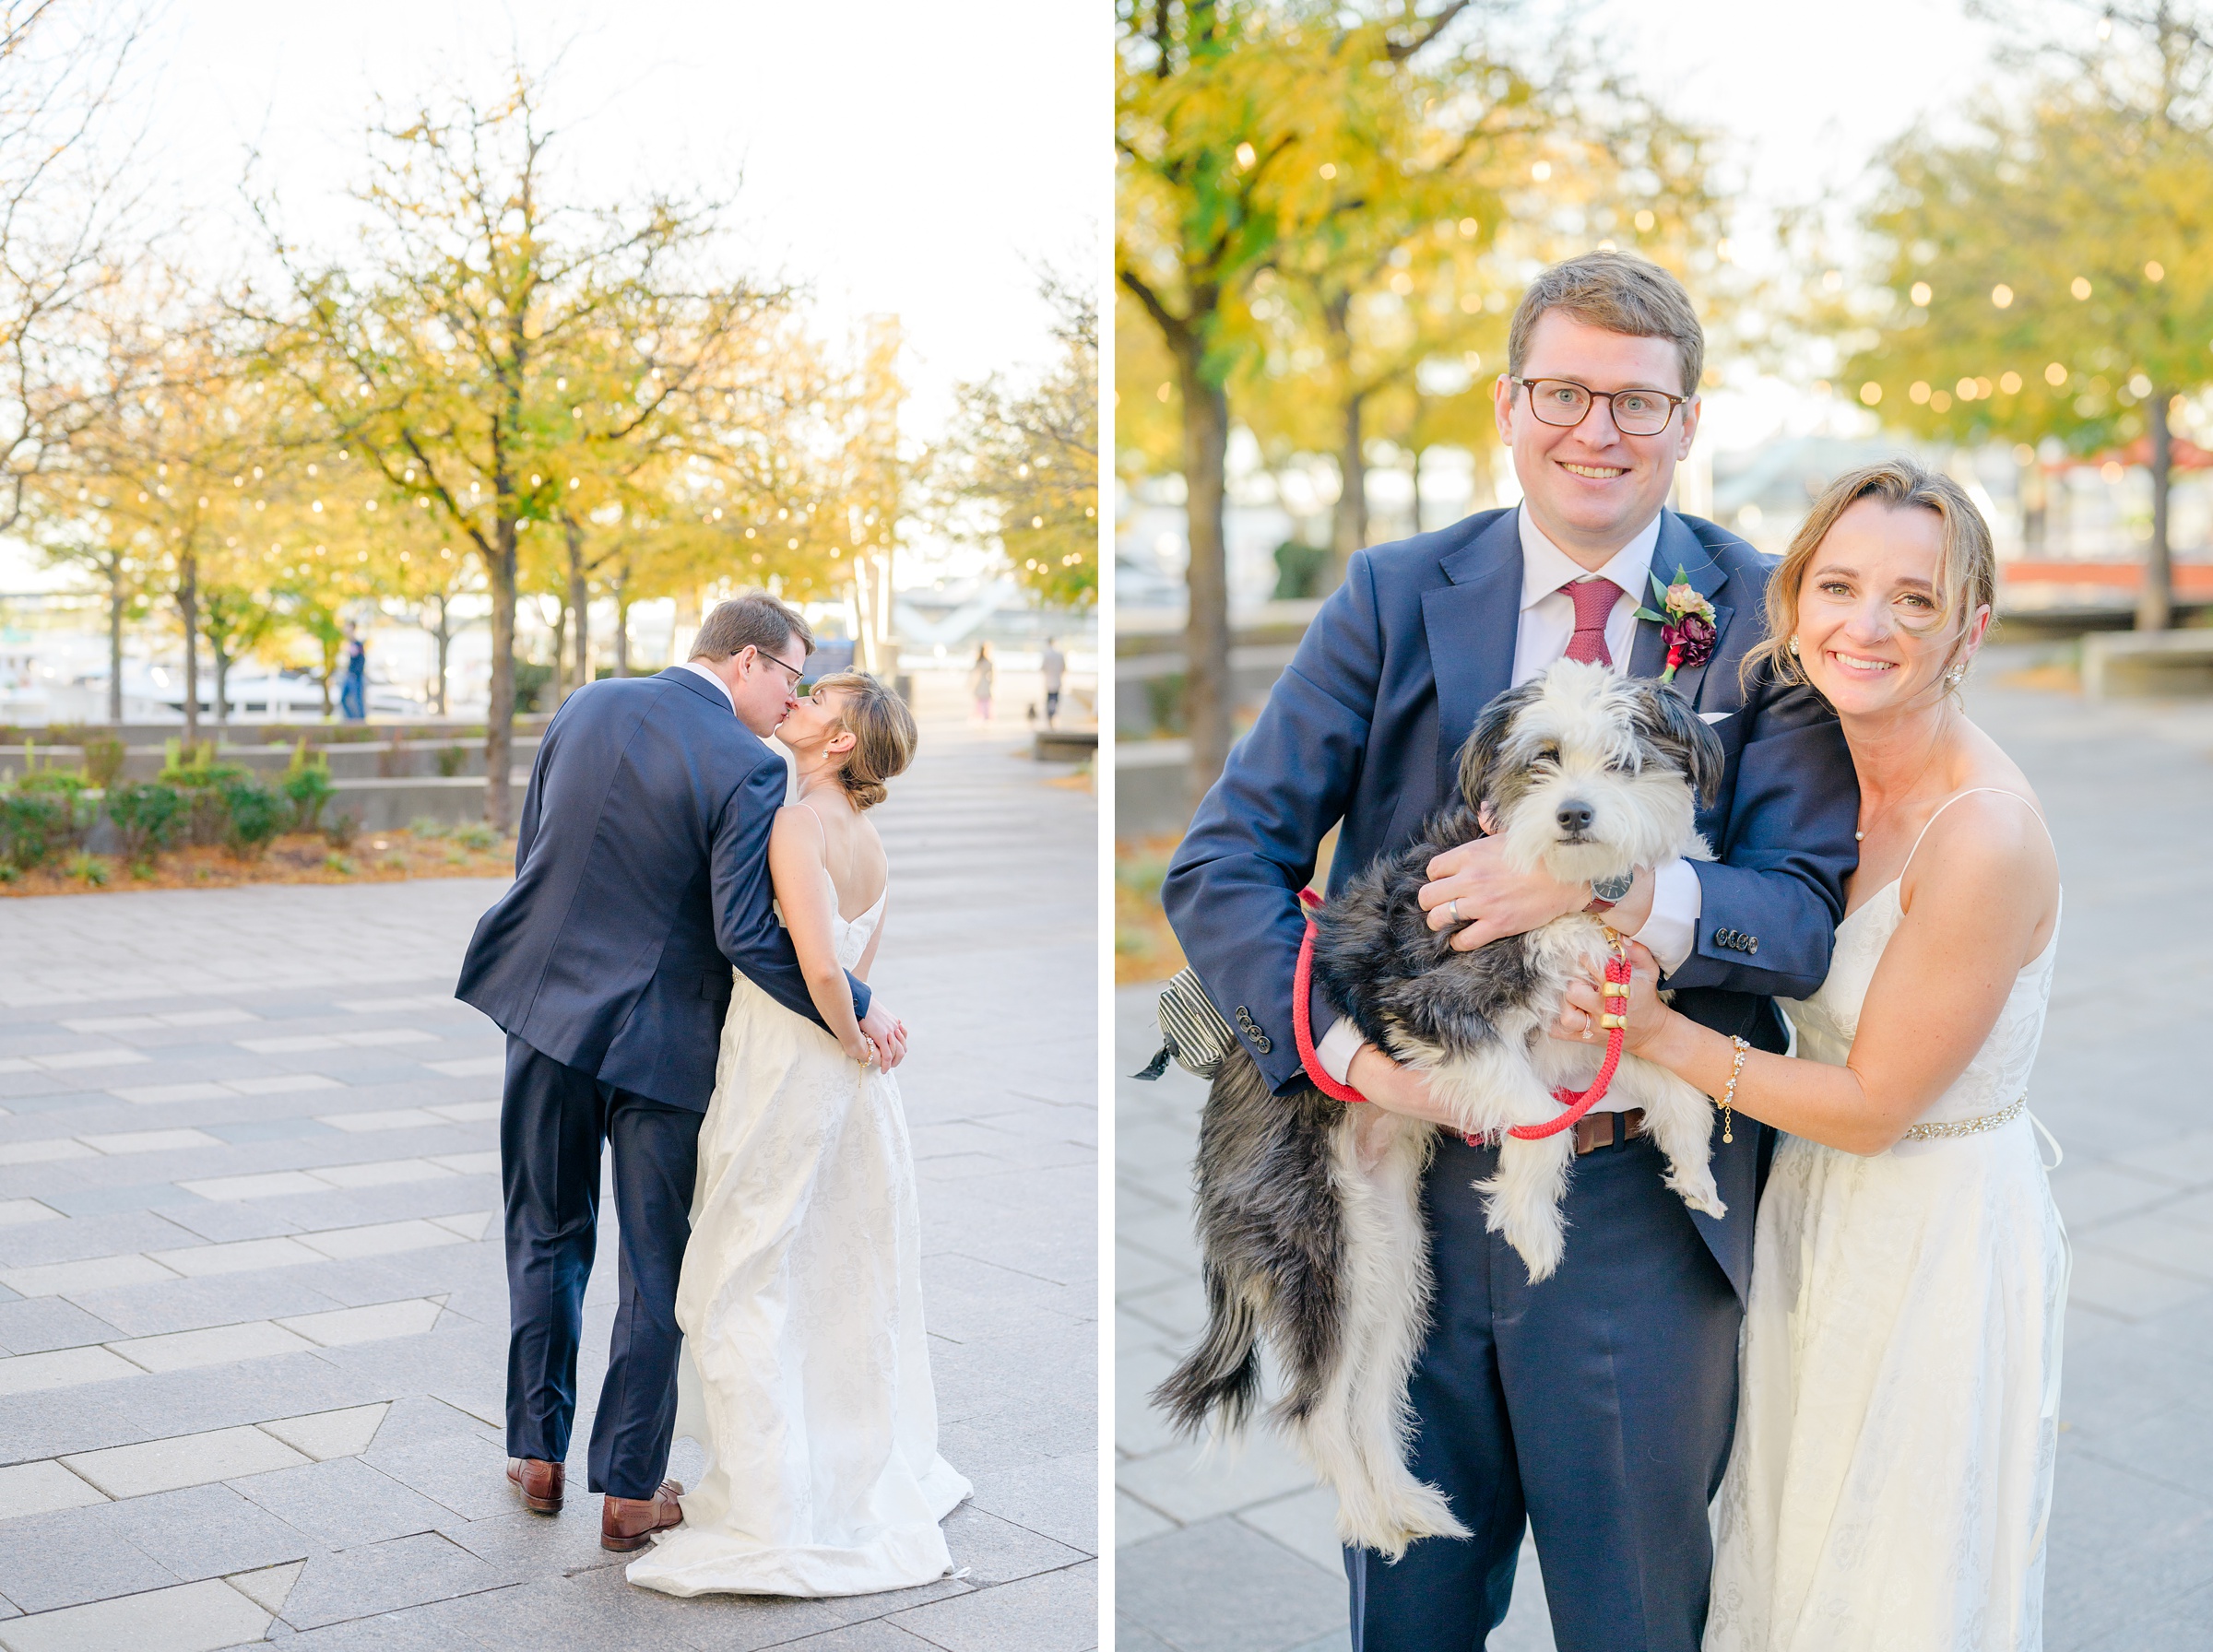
475, 834
104, 761
147, 816
77, 812
424, 827
92, 868
307, 785
342, 864
256, 813
194, 765
195, 771
452, 760
340, 833
34, 824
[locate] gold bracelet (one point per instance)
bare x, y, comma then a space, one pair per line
1729, 1096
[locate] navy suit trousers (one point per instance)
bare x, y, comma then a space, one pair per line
552, 1123
1597, 1406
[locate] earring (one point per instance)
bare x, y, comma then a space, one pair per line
1955, 677
1793, 647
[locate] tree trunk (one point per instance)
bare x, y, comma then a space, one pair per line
499, 716
222, 689
560, 653
188, 609
444, 635
1349, 532
1415, 448
115, 603
622, 624
2155, 602
580, 602
1206, 631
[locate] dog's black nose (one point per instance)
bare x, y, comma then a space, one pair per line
1574, 817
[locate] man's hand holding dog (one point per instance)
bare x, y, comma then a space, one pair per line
1393, 1088
1474, 887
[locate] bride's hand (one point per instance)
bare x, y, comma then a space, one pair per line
888, 1033
861, 1047
1580, 1007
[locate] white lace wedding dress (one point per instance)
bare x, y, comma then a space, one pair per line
1898, 1413
805, 1374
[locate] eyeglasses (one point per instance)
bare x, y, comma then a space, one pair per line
1566, 404
797, 674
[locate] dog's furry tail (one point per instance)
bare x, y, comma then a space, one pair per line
1220, 1379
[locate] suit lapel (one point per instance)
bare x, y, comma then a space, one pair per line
1472, 625
1679, 548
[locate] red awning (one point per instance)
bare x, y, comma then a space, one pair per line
2186, 455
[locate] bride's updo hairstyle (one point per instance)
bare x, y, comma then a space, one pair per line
883, 730
1967, 564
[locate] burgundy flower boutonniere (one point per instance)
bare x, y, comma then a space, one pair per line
1687, 628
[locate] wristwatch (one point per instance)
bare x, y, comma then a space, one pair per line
1606, 892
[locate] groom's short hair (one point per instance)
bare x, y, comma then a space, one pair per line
754, 620
1618, 293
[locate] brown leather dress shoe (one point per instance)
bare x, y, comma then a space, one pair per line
628, 1523
539, 1482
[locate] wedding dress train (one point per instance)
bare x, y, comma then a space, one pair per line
805, 1374
1891, 1477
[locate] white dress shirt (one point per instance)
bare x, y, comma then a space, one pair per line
1546, 626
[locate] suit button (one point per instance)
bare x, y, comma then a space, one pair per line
1751, 943
1251, 1030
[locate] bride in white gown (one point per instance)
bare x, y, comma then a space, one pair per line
805, 1373
1891, 1476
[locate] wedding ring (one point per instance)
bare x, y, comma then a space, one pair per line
1452, 911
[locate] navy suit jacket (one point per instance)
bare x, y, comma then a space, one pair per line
641, 877
1361, 733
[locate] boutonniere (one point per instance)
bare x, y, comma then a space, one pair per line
1687, 628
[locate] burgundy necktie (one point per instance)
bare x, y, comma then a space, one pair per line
1593, 600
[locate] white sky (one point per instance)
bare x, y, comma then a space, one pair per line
891, 156
894, 157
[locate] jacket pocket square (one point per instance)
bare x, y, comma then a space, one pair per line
1715, 716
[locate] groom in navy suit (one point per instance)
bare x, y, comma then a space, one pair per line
1596, 1407
641, 877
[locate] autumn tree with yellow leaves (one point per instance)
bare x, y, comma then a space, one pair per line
487, 337
1027, 460
2049, 272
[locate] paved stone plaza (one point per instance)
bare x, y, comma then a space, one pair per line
253, 1309
1240, 1557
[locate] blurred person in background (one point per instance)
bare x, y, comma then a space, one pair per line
979, 682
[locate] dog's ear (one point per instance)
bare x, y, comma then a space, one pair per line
1493, 723
1666, 722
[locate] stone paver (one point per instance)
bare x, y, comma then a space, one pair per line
1239, 1556
253, 1307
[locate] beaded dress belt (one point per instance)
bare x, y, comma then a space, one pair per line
1967, 1126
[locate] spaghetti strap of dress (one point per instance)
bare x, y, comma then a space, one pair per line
1955, 798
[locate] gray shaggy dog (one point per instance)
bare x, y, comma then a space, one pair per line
1309, 1211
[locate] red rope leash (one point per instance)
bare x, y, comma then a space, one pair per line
1615, 1020
1302, 1016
